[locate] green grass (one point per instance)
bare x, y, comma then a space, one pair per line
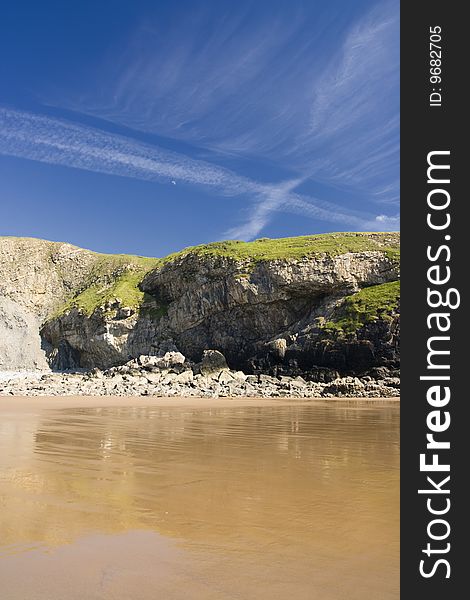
113, 276
365, 306
332, 244
124, 287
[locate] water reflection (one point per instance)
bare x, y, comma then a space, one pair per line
311, 487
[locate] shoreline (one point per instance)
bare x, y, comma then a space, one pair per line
9, 402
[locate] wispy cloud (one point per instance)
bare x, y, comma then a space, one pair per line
270, 198
56, 141
207, 79
352, 134
274, 199
351, 137
307, 90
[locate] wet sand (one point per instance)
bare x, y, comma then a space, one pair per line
48, 402
198, 499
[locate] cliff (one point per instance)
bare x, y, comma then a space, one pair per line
38, 277
316, 306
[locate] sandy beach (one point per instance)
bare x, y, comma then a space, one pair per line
198, 498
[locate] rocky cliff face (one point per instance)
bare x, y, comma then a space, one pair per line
36, 277
39, 275
271, 306
20, 343
111, 335
255, 311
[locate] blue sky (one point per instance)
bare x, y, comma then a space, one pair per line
148, 126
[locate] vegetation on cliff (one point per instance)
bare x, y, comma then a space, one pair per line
112, 277
119, 276
298, 247
365, 306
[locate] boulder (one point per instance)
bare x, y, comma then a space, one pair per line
212, 361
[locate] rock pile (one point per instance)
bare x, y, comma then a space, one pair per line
172, 375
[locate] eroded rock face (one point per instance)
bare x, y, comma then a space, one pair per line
40, 275
36, 277
103, 339
20, 344
261, 310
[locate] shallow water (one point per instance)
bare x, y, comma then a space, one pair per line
250, 502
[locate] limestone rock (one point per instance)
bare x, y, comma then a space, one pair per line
40, 275
20, 344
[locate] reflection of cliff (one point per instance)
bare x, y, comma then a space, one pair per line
267, 475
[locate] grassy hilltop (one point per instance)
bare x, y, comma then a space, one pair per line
119, 276
332, 244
